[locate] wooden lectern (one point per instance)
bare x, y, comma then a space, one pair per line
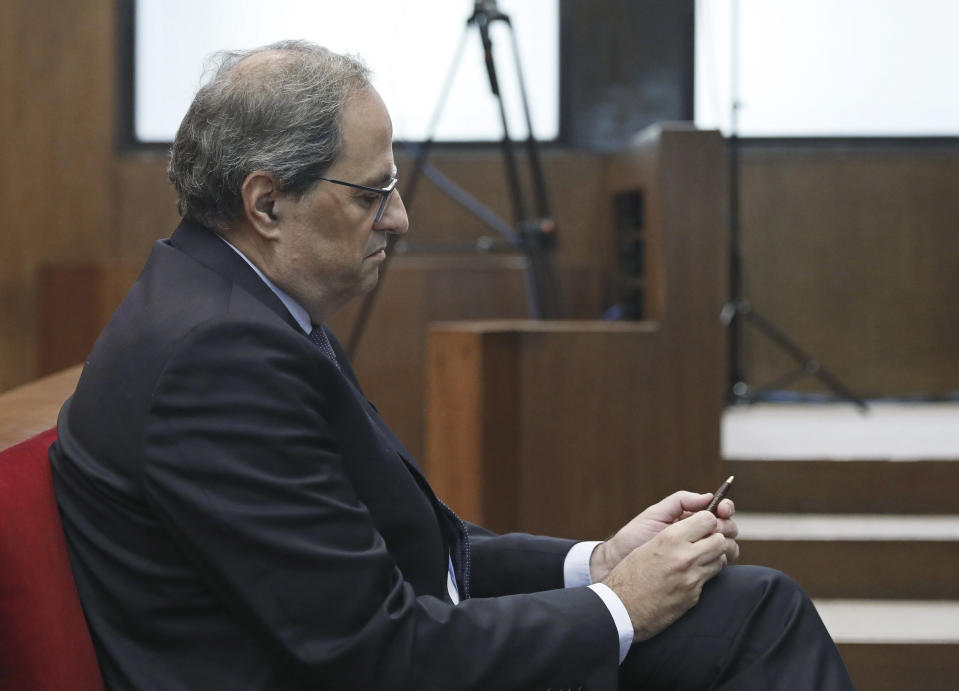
570, 428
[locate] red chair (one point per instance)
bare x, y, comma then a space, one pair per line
44, 641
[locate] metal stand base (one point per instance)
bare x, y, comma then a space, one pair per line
740, 392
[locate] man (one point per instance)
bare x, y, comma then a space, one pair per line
238, 515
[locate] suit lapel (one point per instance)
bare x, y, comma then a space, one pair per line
204, 246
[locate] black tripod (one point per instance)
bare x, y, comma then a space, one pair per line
738, 309
534, 236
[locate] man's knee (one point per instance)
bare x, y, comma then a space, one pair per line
764, 578
770, 577
753, 586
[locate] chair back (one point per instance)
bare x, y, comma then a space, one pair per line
44, 641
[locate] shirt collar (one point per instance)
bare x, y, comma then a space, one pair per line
299, 313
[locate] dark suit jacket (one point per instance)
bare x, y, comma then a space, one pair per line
239, 517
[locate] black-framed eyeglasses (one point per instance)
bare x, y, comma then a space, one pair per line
384, 193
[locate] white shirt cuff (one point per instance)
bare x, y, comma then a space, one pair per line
576, 565
624, 626
576, 574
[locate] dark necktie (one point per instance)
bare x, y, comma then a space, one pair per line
459, 552
319, 337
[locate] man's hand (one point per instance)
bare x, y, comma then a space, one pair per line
653, 521
660, 580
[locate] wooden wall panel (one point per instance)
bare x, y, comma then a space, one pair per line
30, 409
145, 203
855, 255
75, 302
556, 427
56, 136
609, 430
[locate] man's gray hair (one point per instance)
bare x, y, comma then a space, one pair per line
280, 115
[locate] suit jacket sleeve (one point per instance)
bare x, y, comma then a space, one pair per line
242, 467
516, 562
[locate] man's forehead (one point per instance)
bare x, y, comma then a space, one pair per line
371, 176
367, 131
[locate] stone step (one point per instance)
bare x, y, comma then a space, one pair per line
896, 645
839, 431
857, 556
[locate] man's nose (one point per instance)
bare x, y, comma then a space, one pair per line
394, 219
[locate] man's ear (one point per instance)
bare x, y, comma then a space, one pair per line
260, 195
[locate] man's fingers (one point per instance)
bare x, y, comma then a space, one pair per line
712, 556
706, 550
726, 508
676, 504
728, 528
711, 548
718, 547
693, 501
715, 566
732, 551
680, 504
697, 526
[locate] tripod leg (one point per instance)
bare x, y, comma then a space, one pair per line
809, 364
424, 149
543, 233
509, 157
730, 318
833, 383
543, 299
532, 148
785, 380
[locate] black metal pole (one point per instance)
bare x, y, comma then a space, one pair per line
540, 234
738, 311
737, 377
482, 20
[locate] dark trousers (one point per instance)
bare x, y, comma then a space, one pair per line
753, 629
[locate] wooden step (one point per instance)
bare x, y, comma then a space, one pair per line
902, 666
853, 486
896, 646
842, 556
